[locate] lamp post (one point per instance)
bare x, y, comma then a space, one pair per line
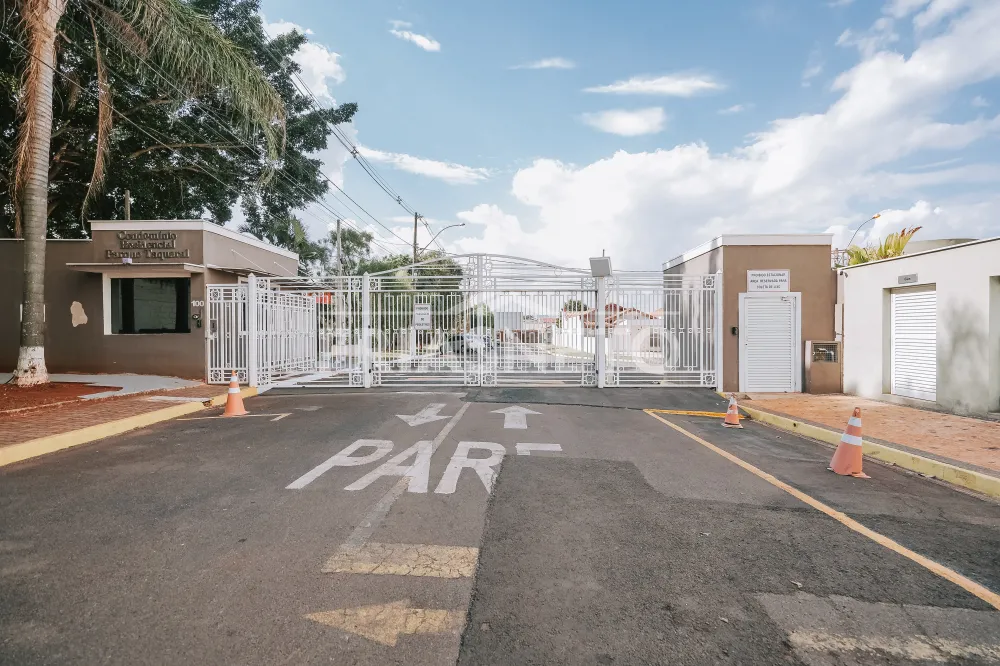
461, 224
873, 217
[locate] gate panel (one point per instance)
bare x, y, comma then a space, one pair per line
662, 330
475, 320
227, 336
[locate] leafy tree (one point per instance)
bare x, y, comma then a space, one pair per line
150, 96
356, 248
574, 305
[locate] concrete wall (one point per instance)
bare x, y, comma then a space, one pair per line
230, 253
809, 273
85, 347
968, 325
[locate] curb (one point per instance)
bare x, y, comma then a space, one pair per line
977, 481
44, 445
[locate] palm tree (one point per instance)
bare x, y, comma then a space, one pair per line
892, 246
184, 45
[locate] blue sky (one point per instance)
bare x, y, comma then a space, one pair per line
557, 129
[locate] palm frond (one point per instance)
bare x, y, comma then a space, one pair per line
104, 124
116, 24
195, 54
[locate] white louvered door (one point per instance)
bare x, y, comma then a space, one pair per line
770, 341
914, 344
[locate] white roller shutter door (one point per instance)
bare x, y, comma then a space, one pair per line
914, 344
770, 336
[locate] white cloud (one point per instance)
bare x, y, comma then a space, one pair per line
734, 109
321, 67
814, 67
449, 172
548, 63
628, 123
840, 3
674, 85
800, 174
980, 102
423, 41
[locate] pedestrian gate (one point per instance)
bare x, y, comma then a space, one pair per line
471, 320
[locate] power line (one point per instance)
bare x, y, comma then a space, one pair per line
142, 129
356, 153
208, 112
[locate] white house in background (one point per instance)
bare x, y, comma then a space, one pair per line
924, 328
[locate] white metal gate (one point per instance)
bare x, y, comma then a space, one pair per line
472, 320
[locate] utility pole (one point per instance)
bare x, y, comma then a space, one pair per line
416, 218
340, 260
128, 205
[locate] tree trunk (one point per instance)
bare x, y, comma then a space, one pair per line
36, 134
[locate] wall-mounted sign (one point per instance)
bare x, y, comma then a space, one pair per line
768, 280
908, 279
422, 316
155, 245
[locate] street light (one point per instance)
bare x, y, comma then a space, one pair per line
873, 217
461, 224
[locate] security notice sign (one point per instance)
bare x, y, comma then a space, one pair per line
767, 280
422, 316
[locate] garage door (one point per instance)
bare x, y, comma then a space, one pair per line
769, 343
914, 344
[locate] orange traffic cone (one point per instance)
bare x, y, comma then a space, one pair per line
234, 401
847, 458
732, 414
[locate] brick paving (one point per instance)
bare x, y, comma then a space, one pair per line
19, 427
962, 439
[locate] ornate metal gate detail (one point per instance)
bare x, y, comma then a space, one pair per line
472, 320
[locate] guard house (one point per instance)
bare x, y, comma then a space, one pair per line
131, 298
778, 298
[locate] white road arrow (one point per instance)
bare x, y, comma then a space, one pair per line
515, 417
428, 414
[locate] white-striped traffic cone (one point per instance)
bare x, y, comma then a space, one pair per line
234, 401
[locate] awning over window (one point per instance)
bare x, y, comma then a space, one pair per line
118, 269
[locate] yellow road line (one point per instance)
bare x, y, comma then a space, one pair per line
966, 584
685, 412
404, 559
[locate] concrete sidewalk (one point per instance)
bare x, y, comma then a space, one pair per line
956, 439
30, 433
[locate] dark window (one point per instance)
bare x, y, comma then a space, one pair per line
150, 305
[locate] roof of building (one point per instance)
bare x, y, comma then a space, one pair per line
946, 248
749, 239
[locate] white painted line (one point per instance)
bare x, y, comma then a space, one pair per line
428, 414
417, 472
310, 408
344, 459
244, 416
515, 417
363, 532
461, 460
525, 449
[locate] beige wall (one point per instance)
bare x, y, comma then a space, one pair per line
231, 253
107, 240
809, 273
85, 347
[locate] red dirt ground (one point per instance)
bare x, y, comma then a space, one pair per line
13, 397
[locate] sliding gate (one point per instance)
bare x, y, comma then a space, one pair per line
475, 320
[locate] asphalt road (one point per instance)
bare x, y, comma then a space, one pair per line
342, 534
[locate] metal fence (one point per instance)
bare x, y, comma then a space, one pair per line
474, 320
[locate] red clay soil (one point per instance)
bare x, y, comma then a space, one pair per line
14, 397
